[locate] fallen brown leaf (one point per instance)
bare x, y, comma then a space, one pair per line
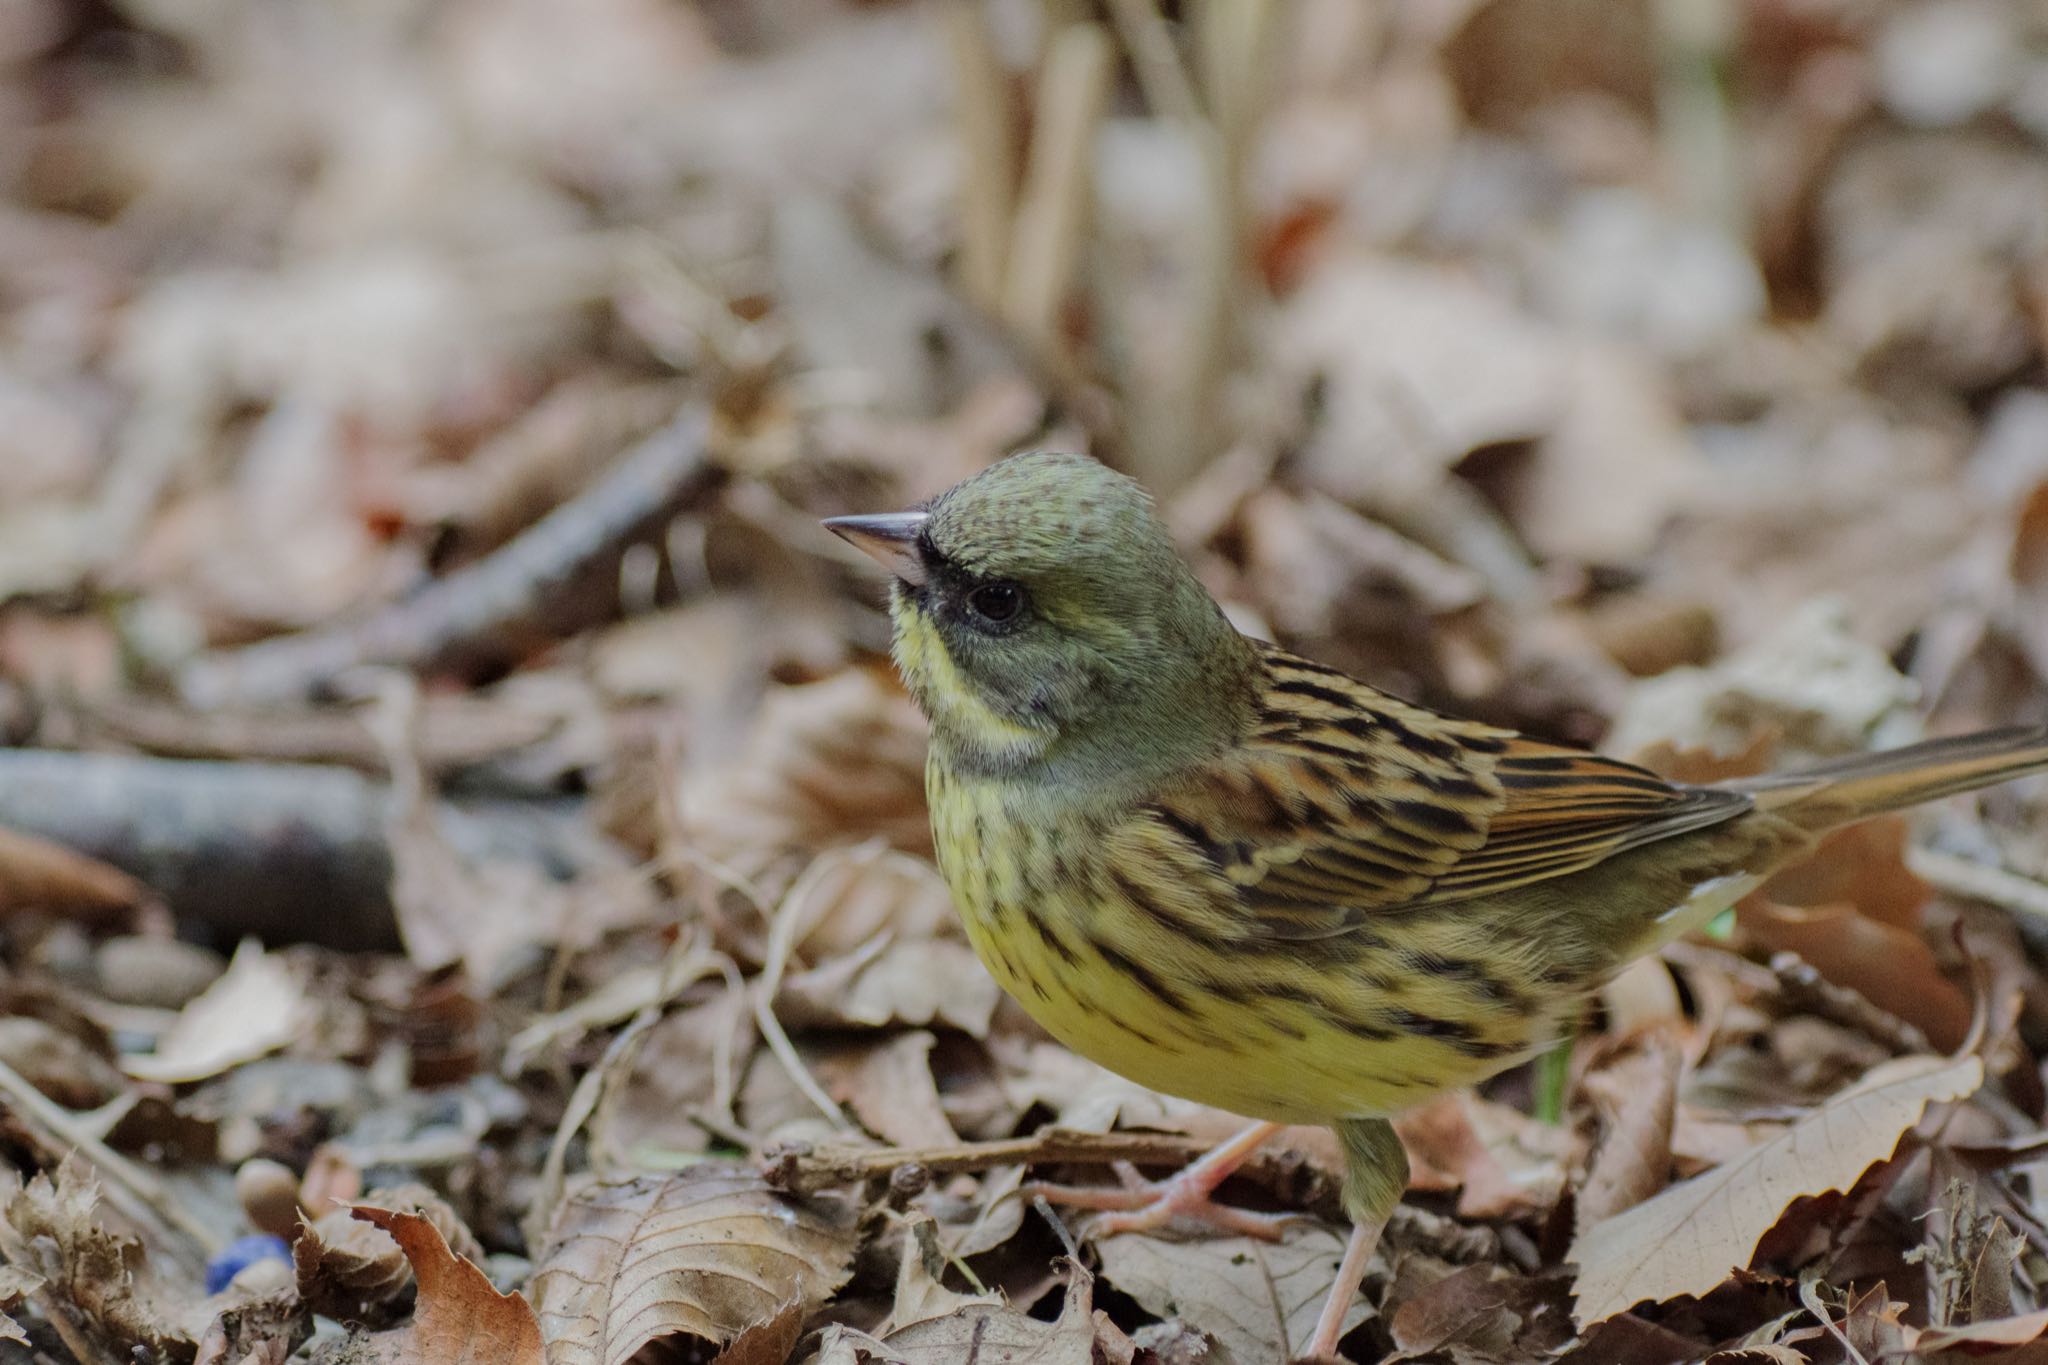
1638, 1096
1886, 965
891, 1091
705, 1254
461, 1319
1688, 1239
1259, 1300
38, 874
354, 1270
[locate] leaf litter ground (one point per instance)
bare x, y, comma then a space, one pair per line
465, 879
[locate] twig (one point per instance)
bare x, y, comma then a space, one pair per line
803, 1169
141, 1195
782, 936
473, 609
1954, 876
295, 852
455, 732
1800, 988
1053, 211
1806, 990
1148, 38
987, 136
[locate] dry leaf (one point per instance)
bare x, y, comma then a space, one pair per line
258, 1006
1259, 1300
1482, 1313
2019, 1330
36, 874
692, 1059
707, 1254
1639, 1097
1688, 1239
829, 762
461, 1319
987, 1334
921, 1293
891, 1091
916, 983
352, 1270
101, 1274
1503, 1163
1890, 967
1619, 432
15, 1285
1420, 367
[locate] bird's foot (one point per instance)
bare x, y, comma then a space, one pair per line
1147, 1205
1141, 1205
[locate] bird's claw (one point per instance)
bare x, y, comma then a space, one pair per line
1146, 1206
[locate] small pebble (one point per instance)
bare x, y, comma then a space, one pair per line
269, 1195
163, 973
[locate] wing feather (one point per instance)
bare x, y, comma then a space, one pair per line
1346, 804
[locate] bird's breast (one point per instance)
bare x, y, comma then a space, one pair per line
1105, 948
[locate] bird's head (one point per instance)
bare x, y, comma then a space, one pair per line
1044, 619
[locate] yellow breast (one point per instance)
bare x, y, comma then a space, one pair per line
1113, 955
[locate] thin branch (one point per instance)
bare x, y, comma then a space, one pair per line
1053, 212
475, 608
981, 97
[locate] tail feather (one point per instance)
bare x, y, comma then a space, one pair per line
1847, 789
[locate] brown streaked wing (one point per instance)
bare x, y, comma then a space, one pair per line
1346, 804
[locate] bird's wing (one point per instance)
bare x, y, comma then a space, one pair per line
1346, 804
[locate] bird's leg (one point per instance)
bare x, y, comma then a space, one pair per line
1375, 1177
1141, 1205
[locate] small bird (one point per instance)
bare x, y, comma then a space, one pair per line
1242, 877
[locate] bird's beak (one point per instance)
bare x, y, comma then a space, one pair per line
890, 537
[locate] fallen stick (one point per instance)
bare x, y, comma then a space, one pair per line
802, 1168
289, 852
509, 593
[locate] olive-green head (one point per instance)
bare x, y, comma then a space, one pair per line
1043, 617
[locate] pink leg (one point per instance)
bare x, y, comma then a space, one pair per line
1143, 1205
1350, 1274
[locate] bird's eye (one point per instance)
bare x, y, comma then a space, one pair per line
997, 603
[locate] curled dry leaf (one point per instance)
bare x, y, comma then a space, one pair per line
352, 1269
461, 1319
705, 1254
1688, 1239
97, 1273
255, 1008
1259, 1300
1852, 910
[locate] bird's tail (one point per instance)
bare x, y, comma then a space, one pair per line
1847, 789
